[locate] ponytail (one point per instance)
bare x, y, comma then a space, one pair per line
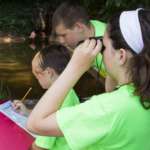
140, 75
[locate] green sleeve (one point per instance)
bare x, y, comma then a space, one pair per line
76, 121
45, 142
71, 99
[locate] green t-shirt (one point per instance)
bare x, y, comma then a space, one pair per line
58, 143
100, 28
110, 121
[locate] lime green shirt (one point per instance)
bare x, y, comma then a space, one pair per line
58, 143
100, 28
110, 121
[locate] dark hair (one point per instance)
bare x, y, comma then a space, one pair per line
139, 66
69, 13
55, 56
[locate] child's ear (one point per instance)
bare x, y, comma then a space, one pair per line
50, 71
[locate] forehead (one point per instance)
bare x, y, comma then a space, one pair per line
36, 61
61, 29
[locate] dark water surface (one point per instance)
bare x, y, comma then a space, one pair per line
15, 71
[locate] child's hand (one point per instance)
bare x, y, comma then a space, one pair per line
20, 108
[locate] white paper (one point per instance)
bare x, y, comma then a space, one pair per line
7, 109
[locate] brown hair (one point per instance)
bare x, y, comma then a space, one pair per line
69, 13
55, 56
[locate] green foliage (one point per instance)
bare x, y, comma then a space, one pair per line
15, 15
15, 18
103, 9
4, 90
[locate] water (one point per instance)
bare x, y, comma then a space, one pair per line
15, 71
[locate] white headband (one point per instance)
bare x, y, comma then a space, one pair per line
131, 30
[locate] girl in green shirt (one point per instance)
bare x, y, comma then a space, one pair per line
118, 120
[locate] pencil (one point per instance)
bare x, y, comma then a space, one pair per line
23, 98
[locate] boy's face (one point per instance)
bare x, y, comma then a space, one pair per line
44, 77
69, 36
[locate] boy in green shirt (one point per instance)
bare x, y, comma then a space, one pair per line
47, 64
75, 27
71, 24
